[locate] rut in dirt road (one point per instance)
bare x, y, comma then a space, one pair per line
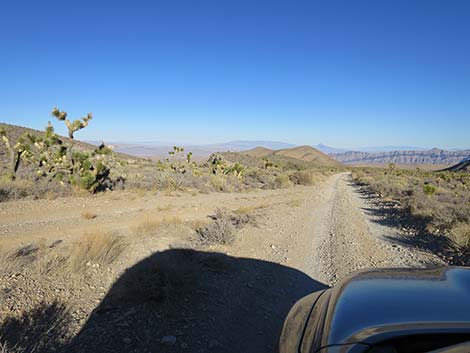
346, 238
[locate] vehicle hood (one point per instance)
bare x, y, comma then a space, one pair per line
374, 303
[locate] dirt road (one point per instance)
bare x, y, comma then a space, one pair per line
336, 231
230, 298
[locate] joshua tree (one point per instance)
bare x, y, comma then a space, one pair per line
15, 151
72, 126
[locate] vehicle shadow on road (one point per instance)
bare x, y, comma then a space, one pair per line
416, 236
184, 300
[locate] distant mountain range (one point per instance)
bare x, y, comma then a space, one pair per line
367, 155
155, 150
433, 156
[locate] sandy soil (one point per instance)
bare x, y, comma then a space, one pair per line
235, 297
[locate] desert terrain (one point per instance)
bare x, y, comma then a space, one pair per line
297, 240
105, 252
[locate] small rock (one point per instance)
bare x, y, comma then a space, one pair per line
168, 340
126, 340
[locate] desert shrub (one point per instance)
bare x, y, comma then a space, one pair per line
27, 188
220, 231
460, 234
96, 249
169, 181
219, 183
429, 189
304, 177
283, 181
191, 181
259, 179
42, 329
223, 227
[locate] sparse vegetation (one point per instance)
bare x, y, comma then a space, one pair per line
43, 163
150, 227
440, 201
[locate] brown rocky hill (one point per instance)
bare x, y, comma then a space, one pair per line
308, 154
433, 156
302, 157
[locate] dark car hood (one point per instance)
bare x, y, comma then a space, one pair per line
374, 303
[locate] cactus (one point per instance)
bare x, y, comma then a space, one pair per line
72, 126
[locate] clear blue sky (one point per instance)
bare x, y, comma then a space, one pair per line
344, 73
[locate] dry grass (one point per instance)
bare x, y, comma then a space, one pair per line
296, 203
95, 249
150, 227
460, 235
5, 348
250, 210
26, 187
88, 215
42, 329
167, 207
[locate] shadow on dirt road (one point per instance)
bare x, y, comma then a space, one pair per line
185, 300
209, 302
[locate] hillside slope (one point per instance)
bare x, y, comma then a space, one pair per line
14, 132
308, 154
463, 166
297, 157
433, 156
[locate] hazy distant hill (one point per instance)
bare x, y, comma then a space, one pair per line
433, 156
328, 149
259, 152
199, 151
